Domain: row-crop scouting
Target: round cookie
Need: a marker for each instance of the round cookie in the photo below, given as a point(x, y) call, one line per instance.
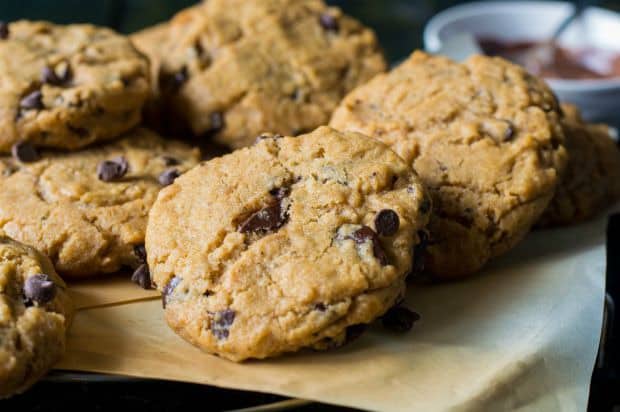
point(592, 179)
point(87, 210)
point(291, 243)
point(68, 86)
point(35, 312)
point(232, 69)
point(484, 137)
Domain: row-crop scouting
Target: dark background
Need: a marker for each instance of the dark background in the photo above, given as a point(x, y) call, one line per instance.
point(399, 23)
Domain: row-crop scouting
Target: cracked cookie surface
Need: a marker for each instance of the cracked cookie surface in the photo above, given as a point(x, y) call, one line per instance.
point(87, 210)
point(484, 137)
point(592, 178)
point(287, 244)
point(68, 86)
point(35, 312)
point(232, 69)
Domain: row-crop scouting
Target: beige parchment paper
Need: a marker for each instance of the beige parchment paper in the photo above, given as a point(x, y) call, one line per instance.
point(521, 336)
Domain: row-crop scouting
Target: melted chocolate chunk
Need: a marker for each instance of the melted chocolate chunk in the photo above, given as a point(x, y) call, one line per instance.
point(387, 222)
point(268, 219)
point(140, 252)
point(365, 234)
point(142, 277)
point(329, 22)
point(168, 177)
point(56, 77)
point(168, 289)
point(111, 170)
point(4, 30)
point(222, 322)
point(399, 319)
point(39, 289)
point(32, 101)
point(24, 152)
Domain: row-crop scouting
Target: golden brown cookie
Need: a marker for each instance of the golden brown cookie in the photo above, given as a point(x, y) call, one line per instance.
point(232, 69)
point(484, 137)
point(35, 312)
point(592, 179)
point(291, 243)
point(87, 210)
point(68, 86)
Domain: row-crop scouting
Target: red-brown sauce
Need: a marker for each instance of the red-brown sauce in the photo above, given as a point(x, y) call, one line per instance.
point(562, 63)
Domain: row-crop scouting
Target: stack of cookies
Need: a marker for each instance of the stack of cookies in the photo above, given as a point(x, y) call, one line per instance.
point(427, 171)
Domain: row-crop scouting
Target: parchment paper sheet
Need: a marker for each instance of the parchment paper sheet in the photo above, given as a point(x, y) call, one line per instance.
point(522, 335)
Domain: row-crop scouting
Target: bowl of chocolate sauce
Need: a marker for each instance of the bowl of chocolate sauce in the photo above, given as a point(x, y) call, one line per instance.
point(582, 67)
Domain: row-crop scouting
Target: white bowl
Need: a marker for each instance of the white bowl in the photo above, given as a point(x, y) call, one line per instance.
point(599, 99)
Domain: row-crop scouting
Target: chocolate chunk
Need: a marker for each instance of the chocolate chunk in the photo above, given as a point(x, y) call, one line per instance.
point(222, 322)
point(170, 161)
point(39, 289)
point(172, 82)
point(111, 170)
point(365, 234)
point(140, 252)
point(399, 319)
point(168, 289)
point(425, 206)
point(387, 222)
point(56, 76)
point(510, 131)
point(320, 307)
point(329, 22)
point(4, 30)
point(142, 277)
point(217, 121)
point(268, 219)
point(32, 101)
point(25, 152)
point(355, 331)
point(168, 177)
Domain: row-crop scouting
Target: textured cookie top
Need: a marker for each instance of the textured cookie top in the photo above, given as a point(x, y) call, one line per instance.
point(285, 244)
point(68, 86)
point(87, 210)
point(35, 310)
point(592, 179)
point(235, 68)
point(484, 137)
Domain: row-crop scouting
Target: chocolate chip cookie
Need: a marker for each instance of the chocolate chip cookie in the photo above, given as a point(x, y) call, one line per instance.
point(232, 69)
point(485, 138)
point(35, 311)
point(87, 210)
point(68, 86)
point(291, 243)
point(592, 179)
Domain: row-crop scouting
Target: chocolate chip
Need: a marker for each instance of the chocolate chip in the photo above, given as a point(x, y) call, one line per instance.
point(140, 252)
point(329, 22)
point(142, 277)
point(425, 206)
point(24, 152)
point(4, 30)
point(280, 192)
point(387, 222)
point(111, 170)
point(167, 177)
point(510, 131)
point(39, 289)
point(355, 331)
point(172, 82)
point(320, 307)
point(267, 219)
point(55, 77)
point(32, 101)
point(170, 161)
point(399, 319)
point(365, 234)
point(222, 322)
point(168, 289)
